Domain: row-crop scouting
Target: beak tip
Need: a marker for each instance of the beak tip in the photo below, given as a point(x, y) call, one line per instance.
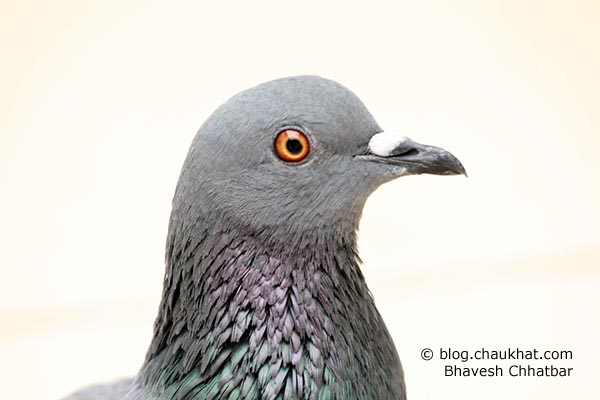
point(453, 164)
point(456, 166)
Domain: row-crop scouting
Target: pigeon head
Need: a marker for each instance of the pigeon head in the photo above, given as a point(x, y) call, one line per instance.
point(263, 295)
point(295, 156)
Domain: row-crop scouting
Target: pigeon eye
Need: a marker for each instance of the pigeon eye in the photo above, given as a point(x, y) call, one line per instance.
point(291, 145)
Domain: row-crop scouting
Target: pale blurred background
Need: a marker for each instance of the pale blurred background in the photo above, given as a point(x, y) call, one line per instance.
point(100, 100)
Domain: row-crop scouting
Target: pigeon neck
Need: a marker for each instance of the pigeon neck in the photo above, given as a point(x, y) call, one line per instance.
point(232, 301)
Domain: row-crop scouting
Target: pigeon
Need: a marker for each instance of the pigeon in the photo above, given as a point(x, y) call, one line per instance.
point(263, 293)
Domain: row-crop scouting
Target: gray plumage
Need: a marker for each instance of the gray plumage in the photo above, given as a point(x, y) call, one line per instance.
point(263, 295)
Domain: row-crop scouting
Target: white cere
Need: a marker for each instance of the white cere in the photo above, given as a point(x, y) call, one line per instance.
point(383, 143)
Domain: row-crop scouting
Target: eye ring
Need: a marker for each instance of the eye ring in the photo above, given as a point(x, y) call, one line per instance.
point(291, 145)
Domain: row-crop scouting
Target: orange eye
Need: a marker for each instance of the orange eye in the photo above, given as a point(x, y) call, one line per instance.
point(291, 145)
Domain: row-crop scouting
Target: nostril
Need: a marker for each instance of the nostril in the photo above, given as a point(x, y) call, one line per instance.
point(408, 152)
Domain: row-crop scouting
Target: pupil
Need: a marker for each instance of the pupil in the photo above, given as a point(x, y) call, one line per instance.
point(293, 146)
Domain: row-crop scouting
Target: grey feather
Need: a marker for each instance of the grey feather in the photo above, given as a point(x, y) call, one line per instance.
point(108, 391)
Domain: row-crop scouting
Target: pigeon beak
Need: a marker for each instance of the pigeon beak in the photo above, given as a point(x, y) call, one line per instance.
point(414, 158)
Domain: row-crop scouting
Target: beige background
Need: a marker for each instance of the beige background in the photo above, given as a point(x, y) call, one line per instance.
point(100, 100)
